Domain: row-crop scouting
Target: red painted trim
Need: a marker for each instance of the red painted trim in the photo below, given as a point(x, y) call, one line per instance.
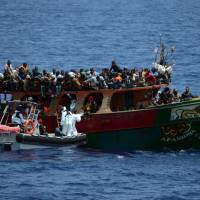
point(117, 121)
point(115, 90)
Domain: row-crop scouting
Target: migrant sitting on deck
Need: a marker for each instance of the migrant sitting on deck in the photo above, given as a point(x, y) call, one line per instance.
point(22, 79)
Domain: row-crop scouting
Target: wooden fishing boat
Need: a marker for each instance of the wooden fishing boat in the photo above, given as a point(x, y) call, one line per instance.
point(126, 119)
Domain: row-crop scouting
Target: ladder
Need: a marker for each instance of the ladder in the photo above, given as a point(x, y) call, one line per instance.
point(4, 113)
point(33, 114)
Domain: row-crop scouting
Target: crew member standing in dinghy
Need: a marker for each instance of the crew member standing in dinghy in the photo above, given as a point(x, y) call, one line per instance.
point(68, 121)
point(68, 127)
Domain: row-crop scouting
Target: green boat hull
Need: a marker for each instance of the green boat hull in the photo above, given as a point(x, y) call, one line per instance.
point(129, 139)
point(146, 139)
point(177, 126)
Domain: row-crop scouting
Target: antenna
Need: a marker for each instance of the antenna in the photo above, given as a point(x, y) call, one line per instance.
point(160, 39)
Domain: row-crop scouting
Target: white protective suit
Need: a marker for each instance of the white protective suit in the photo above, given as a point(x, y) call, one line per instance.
point(69, 123)
point(64, 113)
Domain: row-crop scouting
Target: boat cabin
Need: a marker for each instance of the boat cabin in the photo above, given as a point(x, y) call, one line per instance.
point(101, 101)
point(108, 101)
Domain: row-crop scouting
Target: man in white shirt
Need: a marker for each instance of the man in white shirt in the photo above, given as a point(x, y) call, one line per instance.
point(17, 118)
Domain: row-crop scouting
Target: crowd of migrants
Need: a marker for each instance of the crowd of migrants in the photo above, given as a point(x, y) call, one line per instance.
point(167, 96)
point(22, 78)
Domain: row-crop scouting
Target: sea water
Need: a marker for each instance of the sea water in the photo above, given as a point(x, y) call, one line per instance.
point(68, 34)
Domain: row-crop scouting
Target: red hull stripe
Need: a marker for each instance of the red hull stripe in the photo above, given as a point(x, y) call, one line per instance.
point(117, 121)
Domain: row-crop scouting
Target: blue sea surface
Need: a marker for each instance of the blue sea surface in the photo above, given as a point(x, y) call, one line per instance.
point(69, 34)
point(71, 173)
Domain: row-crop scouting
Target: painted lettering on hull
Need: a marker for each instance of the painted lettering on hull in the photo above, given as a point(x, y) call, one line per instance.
point(176, 132)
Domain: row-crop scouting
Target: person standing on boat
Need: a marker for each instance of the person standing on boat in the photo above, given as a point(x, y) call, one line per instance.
point(76, 118)
point(23, 71)
point(149, 78)
point(115, 68)
point(17, 118)
point(8, 69)
point(64, 113)
point(62, 130)
point(68, 125)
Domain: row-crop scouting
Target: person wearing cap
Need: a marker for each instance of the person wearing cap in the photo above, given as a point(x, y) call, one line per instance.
point(17, 118)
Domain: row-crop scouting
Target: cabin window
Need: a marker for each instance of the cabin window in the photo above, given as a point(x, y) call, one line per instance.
point(122, 101)
point(92, 102)
point(129, 100)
